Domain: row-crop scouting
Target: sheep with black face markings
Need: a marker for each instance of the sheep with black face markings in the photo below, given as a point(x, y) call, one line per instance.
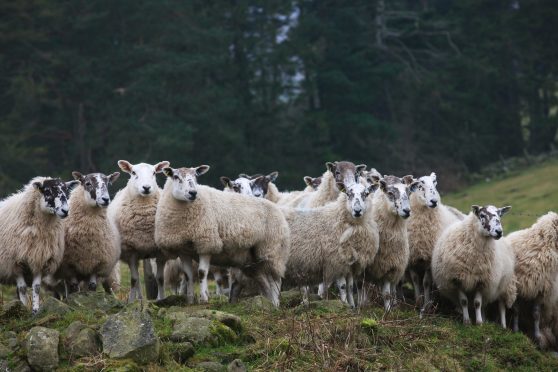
point(92, 242)
point(32, 234)
point(133, 213)
point(199, 222)
point(469, 259)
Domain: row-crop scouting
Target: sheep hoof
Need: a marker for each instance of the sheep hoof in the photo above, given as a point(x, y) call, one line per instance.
point(92, 286)
point(467, 321)
point(34, 312)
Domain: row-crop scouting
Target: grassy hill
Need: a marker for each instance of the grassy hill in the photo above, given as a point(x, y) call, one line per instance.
point(531, 192)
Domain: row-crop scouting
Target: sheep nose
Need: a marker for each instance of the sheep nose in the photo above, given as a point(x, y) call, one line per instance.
point(193, 193)
point(407, 212)
point(498, 233)
point(433, 203)
point(64, 212)
point(146, 188)
point(106, 200)
point(358, 212)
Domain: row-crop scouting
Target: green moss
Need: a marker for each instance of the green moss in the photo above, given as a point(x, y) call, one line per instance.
point(221, 333)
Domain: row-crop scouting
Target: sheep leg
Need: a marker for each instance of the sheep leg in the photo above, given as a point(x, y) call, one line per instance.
point(478, 307)
point(160, 277)
point(235, 290)
point(189, 277)
point(515, 317)
point(386, 294)
point(202, 272)
point(36, 293)
point(427, 288)
point(135, 290)
point(537, 319)
point(322, 290)
point(341, 284)
point(264, 286)
point(464, 302)
point(350, 284)
point(92, 286)
point(21, 289)
point(502, 308)
point(74, 285)
point(393, 291)
point(274, 288)
point(305, 291)
point(183, 287)
point(416, 285)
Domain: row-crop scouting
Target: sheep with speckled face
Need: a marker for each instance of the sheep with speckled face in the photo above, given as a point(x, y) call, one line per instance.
point(32, 234)
point(199, 222)
point(133, 213)
point(470, 259)
point(92, 242)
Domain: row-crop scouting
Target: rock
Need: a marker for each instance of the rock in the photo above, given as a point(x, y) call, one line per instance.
point(330, 306)
point(130, 334)
point(200, 331)
point(236, 366)
point(42, 348)
point(94, 301)
point(230, 320)
point(73, 330)
point(4, 366)
point(173, 300)
point(210, 367)
point(181, 351)
point(53, 306)
point(86, 343)
point(257, 303)
point(4, 351)
point(293, 298)
point(19, 365)
point(11, 339)
point(14, 309)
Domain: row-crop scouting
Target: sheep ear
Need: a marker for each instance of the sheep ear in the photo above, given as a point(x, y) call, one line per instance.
point(330, 167)
point(373, 187)
point(433, 176)
point(113, 177)
point(272, 176)
point(383, 185)
point(202, 169)
point(504, 210)
point(341, 187)
point(360, 169)
point(78, 176)
point(408, 179)
point(373, 178)
point(226, 181)
point(72, 185)
point(414, 186)
point(308, 180)
point(168, 171)
point(38, 185)
point(161, 165)
point(125, 166)
point(476, 209)
point(244, 175)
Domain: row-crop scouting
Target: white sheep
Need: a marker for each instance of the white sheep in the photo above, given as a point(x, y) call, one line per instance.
point(429, 218)
point(391, 209)
point(92, 243)
point(264, 187)
point(469, 259)
point(536, 264)
point(32, 234)
point(333, 242)
point(241, 185)
point(200, 222)
point(339, 171)
point(133, 213)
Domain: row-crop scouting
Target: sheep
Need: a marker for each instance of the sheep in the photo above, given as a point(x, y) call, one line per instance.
point(264, 187)
point(428, 220)
point(391, 209)
point(200, 222)
point(133, 213)
point(339, 171)
point(92, 243)
point(333, 242)
point(241, 185)
point(312, 182)
point(536, 265)
point(32, 234)
point(469, 258)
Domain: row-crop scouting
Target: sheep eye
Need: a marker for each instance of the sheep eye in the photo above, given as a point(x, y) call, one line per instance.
point(175, 177)
point(133, 173)
point(88, 184)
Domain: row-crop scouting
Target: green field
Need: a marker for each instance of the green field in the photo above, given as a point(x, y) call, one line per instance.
point(531, 192)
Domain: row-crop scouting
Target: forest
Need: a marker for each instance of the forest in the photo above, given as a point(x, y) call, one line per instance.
point(405, 86)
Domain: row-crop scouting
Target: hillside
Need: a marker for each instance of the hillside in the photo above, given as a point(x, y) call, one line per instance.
point(531, 192)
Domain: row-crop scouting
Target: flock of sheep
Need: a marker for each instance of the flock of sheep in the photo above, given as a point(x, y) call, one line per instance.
point(348, 227)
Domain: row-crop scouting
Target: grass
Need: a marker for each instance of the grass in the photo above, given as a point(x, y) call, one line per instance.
point(531, 192)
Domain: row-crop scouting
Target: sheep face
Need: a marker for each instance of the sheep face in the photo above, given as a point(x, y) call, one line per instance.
point(260, 184)
point(397, 190)
point(345, 171)
point(313, 182)
point(95, 187)
point(185, 181)
point(55, 194)
point(427, 192)
point(489, 218)
point(143, 179)
point(241, 185)
point(356, 197)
